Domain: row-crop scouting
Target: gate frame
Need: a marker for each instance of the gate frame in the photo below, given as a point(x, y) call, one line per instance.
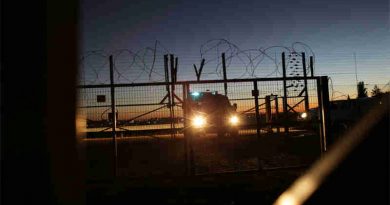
point(322, 96)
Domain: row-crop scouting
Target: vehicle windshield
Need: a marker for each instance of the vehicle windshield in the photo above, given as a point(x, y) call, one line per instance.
point(213, 104)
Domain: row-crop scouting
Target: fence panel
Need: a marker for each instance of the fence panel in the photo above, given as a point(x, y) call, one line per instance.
point(151, 142)
point(275, 148)
point(150, 129)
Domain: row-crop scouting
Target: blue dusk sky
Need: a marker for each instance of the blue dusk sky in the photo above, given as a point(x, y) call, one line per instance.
point(330, 30)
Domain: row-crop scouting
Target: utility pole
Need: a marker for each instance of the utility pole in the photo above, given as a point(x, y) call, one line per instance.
point(356, 78)
point(354, 56)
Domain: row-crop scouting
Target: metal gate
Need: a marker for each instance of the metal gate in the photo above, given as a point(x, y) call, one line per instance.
point(282, 125)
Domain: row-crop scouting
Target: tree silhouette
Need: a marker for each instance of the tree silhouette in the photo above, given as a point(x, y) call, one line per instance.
point(362, 91)
point(376, 92)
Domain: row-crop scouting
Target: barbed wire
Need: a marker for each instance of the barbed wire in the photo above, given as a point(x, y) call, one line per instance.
point(129, 66)
point(147, 64)
point(250, 60)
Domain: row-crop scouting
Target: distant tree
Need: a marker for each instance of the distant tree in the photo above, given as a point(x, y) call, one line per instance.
point(362, 91)
point(376, 92)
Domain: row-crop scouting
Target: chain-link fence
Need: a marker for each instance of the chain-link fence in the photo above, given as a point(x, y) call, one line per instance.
point(280, 125)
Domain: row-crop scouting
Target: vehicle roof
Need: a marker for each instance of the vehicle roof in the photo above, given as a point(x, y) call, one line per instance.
point(211, 96)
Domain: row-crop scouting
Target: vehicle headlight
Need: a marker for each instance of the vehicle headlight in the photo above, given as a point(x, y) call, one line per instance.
point(234, 120)
point(304, 115)
point(199, 121)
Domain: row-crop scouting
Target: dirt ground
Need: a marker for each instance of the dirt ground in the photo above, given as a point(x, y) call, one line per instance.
point(152, 156)
point(226, 171)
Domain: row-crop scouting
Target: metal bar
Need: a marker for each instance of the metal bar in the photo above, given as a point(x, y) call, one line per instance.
point(268, 112)
point(171, 107)
point(256, 94)
point(166, 68)
point(172, 68)
point(196, 82)
point(268, 108)
point(311, 66)
point(165, 97)
point(305, 82)
point(186, 134)
point(292, 108)
point(166, 72)
point(147, 113)
point(325, 112)
point(105, 129)
point(320, 116)
point(236, 99)
point(121, 127)
point(174, 78)
point(113, 110)
point(125, 105)
point(241, 80)
point(301, 93)
point(224, 73)
point(196, 73)
point(253, 107)
point(185, 130)
point(285, 112)
point(277, 113)
point(200, 69)
point(175, 96)
point(176, 62)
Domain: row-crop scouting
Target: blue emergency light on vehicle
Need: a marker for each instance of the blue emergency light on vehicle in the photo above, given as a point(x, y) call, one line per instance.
point(195, 94)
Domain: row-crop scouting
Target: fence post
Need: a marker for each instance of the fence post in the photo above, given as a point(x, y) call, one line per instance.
point(277, 113)
point(305, 82)
point(320, 109)
point(166, 69)
point(172, 94)
point(188, 150)
point(224, 73)
point(328, 140)
point(185, 130)
point(311, 66)
point(285, 112)
point(113, 111)
point(323, 113)
point(255, 93)
point(268, 112)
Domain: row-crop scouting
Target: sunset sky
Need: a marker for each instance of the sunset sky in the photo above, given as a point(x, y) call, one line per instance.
point(334, 31)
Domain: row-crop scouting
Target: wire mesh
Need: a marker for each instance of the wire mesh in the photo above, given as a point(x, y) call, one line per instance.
point(213, 154)
point(150, 124)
